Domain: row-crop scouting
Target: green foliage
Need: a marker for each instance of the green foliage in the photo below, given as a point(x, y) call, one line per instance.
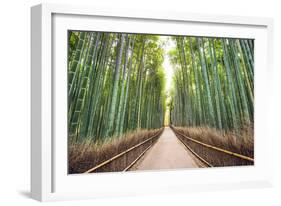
point(214, 76)
point(115, 84)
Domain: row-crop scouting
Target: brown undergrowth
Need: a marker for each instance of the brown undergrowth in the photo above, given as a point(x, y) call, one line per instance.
point(241, 142)
point(87, 154)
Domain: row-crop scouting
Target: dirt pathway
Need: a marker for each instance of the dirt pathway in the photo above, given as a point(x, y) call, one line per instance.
point(167, 153)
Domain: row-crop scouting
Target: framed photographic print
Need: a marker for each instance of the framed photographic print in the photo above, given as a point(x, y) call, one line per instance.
point(135, 102)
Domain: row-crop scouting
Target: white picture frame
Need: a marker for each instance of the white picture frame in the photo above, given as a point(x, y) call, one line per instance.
point(49, 179)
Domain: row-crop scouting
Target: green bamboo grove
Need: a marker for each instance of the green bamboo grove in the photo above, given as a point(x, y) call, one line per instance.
point(213, 82)
point(115, 84)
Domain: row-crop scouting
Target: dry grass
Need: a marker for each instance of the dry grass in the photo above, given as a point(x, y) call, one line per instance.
point(87, 154)
point(242, 143)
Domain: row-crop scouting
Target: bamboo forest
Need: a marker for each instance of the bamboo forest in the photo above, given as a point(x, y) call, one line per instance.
point(140, 100)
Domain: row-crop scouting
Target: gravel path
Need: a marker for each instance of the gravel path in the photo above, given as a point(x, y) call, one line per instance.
point(167, 153)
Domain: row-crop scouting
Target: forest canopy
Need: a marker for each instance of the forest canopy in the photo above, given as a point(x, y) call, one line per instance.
point(116, 83)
